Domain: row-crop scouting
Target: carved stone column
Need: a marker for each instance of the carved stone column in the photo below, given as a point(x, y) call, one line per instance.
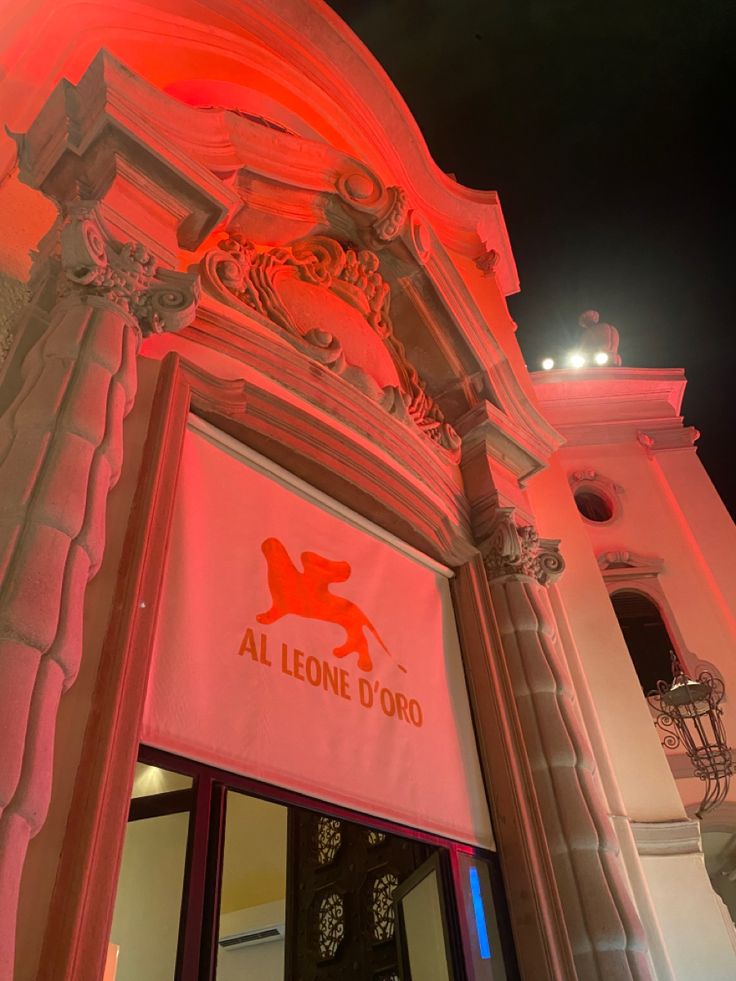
point(603, 926)
point(60, 453)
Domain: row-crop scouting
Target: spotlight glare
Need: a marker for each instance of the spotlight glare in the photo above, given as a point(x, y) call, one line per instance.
point(548, 363)
point(601, 358)
point(576, 360)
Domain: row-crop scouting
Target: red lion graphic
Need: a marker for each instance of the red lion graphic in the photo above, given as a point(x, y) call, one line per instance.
point(307, 594)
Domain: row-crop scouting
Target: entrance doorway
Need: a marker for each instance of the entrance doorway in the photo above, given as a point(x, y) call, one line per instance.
point(225, 878)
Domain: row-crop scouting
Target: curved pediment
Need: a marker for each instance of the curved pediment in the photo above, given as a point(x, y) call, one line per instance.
point(297, 56)
point(215, 169)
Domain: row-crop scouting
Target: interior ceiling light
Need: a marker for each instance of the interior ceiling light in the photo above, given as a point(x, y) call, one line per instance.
point(548, 364)
point(576, 360)
point(601, 358)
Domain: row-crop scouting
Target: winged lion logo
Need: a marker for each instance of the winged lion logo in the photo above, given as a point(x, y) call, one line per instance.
point(307, 594)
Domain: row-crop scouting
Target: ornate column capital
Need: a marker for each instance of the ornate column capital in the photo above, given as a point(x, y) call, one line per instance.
point(517, 550)
point(124, 275)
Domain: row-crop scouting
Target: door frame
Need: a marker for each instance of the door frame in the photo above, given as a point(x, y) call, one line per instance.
point(199, 914)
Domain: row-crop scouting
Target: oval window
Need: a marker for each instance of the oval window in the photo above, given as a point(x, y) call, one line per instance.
point(593, 506)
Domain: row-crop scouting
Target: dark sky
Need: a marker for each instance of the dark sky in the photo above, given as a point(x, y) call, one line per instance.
point(604, 126)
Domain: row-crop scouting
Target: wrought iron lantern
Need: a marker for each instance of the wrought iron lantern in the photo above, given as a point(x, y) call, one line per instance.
point(689, 714)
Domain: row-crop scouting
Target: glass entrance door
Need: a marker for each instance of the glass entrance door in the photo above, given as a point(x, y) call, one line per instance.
point(220, 882)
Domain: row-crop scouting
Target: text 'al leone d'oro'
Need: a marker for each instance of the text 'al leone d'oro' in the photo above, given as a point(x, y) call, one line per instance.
point(321, 673)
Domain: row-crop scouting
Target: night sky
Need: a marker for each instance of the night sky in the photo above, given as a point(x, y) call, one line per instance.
point(604, 127)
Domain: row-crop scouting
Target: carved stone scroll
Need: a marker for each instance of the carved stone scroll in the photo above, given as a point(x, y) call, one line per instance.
point(60, 453)
point(602, 923)
point(518, 550)
point(389, 225)
point(240, 275)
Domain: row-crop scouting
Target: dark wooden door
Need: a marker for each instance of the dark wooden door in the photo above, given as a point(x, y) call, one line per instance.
point(340, 921)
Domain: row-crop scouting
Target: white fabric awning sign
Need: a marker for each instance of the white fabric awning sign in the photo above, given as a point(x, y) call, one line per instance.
point(298, 648)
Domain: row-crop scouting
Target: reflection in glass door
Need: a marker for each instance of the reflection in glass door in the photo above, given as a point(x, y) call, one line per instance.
point(252, 904)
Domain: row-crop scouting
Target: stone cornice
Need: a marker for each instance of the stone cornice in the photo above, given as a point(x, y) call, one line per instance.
point(667, 437)
point(512, 446)
point(519, 419)
point(615, 405)
point(97, 134)
point(625, 388)
point(667, 837)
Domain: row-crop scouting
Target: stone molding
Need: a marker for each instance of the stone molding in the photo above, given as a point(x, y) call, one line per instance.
point(621, 564)
point(97, 141)
point(517, 550)
point(670, 438)
point(488, 430)
point(80, 915)
point(667, 837)
point(608, 406)
point(532, 888)
point(592, 478)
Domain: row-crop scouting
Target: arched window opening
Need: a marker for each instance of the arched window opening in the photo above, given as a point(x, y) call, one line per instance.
point(646, 637)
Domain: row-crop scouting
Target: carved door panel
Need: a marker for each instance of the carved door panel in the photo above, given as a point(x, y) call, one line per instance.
point(340, 916)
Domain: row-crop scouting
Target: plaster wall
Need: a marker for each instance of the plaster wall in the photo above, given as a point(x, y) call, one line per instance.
point(652, 522)
point(146, 922)
point(669, 510)
point(261, 962)
point(646, 786)
point(649, 522)
point(694, 921)
point(698, 504)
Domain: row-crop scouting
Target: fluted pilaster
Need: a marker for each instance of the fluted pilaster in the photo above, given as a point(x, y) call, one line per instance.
point(603, 925)
point(60, 453)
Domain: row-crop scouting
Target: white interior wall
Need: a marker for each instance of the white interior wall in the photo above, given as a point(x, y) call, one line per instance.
point(146, 919)
point(261, 962)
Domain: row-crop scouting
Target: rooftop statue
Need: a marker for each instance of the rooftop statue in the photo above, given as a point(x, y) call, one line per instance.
point(598, 338)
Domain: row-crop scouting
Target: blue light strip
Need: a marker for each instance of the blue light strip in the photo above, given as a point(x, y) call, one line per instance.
point(480, 915)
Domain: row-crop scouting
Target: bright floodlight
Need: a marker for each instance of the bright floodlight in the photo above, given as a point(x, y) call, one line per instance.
point(548, 363)
point(601, 358)
point(576, 360)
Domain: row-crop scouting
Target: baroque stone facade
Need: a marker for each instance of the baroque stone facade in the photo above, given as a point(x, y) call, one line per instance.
point(284, 260)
